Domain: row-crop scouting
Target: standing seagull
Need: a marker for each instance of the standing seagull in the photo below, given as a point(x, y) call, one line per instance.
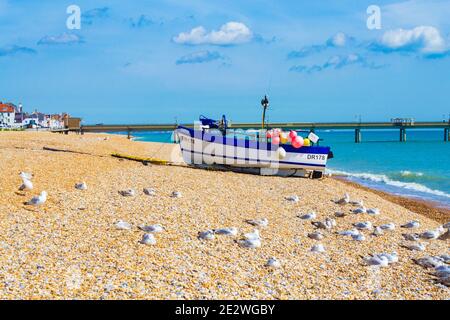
point(259, 222)
point(38, 200)
point(26, 185)
point(344, 200)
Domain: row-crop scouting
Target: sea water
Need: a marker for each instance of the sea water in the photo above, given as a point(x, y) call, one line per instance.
point(418, 168)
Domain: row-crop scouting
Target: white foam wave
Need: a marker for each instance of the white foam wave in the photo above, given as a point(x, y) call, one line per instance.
point(406, 173)
point(381, 178)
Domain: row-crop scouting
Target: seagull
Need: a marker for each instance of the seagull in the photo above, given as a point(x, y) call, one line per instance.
point(206, 235)
point(308, 216)
point(411, 236)
point(81, 186)
point(226, 231)
point(149, 191)
point(128, 193)
point(363, 225)
point(38, 200)
point(344, 200)
point(26, 175)
point(339, 214)
point(360, 210)
point(349, 232)
point(176, 194)
point(373, 211)
point(447, 225)
point(293, 198)
point(359, 203)
point(382, 259)
point(358, 237)
point(443, 273)
point(416, 246)
point(259, 222)
point(376, 260)
point(148, 239)
point(122, 225)
point(273, 263)
point(411, 224)
point(153, 228)
point(431, 234)
point(315, 235)
point(377, 231)
point(327, 224)
point(388, 226)
point(250, 243)
point(253, 236)
point(318, 248)
point(26, 185)
point(445, 236)
point(430, 261)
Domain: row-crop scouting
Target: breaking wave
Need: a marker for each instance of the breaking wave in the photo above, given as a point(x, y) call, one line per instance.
point(384, 179)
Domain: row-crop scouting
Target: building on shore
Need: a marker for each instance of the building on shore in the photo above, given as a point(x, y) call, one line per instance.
point(7, 115)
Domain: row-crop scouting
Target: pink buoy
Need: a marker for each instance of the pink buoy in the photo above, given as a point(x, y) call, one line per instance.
point(297, 142)
point(292, 135)
point(276, 140)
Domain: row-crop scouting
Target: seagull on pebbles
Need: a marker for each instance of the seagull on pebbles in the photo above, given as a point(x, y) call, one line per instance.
point(206, 235)
point(377, 232)
point(373, 211)
point(430, 261)
point(360, 210)
point(259, 222)
point(339, 214)
point(127, 193)
point(388, 226)
point(26, 181)
point(148, 239)
point(293, 199)
point(38, 200)
point(327, 224)
point(176, 194)
point(411, 236)
point(226, 231)
point(122, 225)
point(250, 243)
point(351, 233)
point(81, 186)
point(359, 203)
point(381, 259)
point(273, 263)
point(152, 228)
point(253, 235)
point(358, 237)
point(344, 200)
point(363, 225)
point(411, 224)
point(315, 235)
point(416, 246)
point(308, 216)
point(318, 248)
point(149, 191)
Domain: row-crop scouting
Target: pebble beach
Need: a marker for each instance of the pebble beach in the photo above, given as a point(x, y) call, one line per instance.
point(71, 248)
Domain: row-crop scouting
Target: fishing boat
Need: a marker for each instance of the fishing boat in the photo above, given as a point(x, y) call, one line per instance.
point(265, 151)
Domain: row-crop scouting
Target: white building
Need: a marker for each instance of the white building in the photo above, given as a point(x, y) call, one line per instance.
point(7, 115)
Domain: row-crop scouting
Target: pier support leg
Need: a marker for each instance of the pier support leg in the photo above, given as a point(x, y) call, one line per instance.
point(357, 135)
point(446, 134)
point(402, 135)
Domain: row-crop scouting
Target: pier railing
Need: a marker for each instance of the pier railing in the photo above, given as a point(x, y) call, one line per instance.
point(312, 126)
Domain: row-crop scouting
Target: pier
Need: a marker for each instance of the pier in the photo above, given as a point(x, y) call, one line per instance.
point(403, 127)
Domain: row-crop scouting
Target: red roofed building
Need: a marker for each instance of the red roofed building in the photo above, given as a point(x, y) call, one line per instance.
point(7, 115)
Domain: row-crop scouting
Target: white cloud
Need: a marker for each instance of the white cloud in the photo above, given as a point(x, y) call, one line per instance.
point(229, 34)
point(338, 40)
point(424, 39)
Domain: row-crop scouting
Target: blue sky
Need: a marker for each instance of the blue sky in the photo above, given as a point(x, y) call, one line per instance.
point(154, 61)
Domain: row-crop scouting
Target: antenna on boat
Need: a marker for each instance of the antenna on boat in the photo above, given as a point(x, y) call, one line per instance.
point(265, 105)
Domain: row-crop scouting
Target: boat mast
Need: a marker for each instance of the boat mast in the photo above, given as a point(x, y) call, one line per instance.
point(265, 105)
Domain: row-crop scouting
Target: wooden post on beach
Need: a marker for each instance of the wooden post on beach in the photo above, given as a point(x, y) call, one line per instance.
point(402, 134)
point(446, 134)
point(357, 135)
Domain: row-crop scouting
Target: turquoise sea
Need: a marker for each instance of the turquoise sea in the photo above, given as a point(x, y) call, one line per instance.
point(418, 168)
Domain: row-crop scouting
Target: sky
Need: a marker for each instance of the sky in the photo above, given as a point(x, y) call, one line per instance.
point(173, 60)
